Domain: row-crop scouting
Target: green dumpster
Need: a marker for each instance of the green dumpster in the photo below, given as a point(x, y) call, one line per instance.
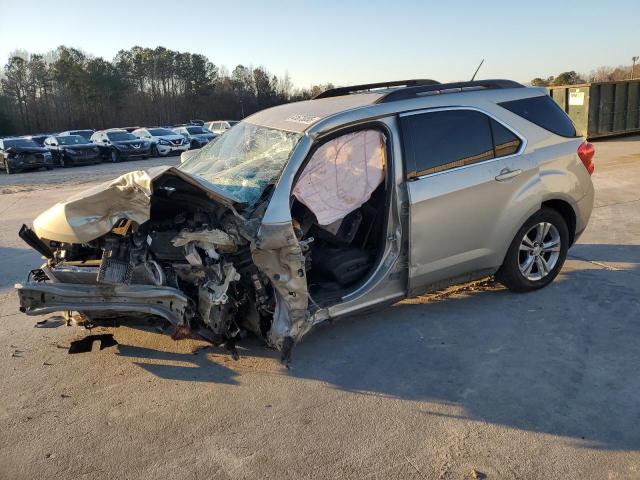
point(601, 109)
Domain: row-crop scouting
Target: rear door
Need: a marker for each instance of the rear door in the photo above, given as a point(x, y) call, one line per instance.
point(466, 175)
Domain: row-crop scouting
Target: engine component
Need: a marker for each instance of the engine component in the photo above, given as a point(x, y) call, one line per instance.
point(213, 301)
point(116, 266)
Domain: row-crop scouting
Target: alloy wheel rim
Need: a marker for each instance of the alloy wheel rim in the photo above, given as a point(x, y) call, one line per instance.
point(539, 251)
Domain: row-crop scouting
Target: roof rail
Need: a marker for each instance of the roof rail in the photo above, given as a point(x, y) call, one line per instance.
point(339, 91)
point(454, 87)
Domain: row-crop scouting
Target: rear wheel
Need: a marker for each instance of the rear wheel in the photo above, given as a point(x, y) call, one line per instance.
point(537, 252)
point(115, 156)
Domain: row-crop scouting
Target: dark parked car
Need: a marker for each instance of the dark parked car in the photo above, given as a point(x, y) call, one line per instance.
point(39, 138)
point(197, 136)
point(72, 150)
point(83, 133)
point(116, 145)
point(18, 154)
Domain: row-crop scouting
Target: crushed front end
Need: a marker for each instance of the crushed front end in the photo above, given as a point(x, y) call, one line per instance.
point(161, 243)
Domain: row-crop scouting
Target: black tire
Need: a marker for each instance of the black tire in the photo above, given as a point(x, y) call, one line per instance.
point(49, 168)
point(114, 156)
point(510, 274)
point(193, 145)
point(8, 169)
point(64, 163)
point(154, 151)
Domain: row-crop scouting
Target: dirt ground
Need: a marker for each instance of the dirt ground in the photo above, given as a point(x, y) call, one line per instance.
point(538, 386)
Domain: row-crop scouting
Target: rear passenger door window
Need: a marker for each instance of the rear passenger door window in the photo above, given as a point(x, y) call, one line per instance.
point(443, 140)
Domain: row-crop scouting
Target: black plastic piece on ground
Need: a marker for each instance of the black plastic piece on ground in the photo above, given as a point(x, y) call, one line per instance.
point(287, 348)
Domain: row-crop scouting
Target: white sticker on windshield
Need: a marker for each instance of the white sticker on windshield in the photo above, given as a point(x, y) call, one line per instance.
point(304, 119)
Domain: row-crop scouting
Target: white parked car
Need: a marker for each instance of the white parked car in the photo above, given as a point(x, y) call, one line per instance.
point(163, 141)
point(219, 126)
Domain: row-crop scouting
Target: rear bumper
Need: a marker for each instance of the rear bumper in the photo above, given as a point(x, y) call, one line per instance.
point(583, 209)
point(43, 298)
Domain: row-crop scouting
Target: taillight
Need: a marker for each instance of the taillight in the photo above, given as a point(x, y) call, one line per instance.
point(586, 152)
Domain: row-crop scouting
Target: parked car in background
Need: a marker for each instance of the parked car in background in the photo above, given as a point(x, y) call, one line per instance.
point(197, 136)
point(83, 133)
point(19, 154)
point(163, 141)
point(39, 138)
point(72, 150)
point(117, 144)
point(219, 126)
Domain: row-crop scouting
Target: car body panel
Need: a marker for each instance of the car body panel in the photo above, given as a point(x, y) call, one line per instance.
point(94, 212)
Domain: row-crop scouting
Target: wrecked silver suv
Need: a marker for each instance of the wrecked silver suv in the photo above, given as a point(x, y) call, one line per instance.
point(317, 209)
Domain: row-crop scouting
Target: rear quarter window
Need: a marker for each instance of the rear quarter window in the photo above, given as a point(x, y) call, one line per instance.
point(544, 112)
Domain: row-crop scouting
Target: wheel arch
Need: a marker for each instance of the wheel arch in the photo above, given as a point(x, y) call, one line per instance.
point(565, 209)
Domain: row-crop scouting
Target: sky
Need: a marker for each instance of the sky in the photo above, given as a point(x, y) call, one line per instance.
point(343, 42)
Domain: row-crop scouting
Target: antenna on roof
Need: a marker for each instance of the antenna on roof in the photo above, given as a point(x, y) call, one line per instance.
point(476, 72)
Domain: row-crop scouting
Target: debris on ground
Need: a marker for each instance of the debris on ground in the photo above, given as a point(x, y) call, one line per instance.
point(16, 353)
point(197, 350)
point(53, 322)
point(477, 475)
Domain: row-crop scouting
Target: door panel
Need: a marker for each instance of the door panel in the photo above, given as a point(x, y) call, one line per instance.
point(462, 218)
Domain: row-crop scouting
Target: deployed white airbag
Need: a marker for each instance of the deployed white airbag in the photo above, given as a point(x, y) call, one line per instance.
point(342, 175)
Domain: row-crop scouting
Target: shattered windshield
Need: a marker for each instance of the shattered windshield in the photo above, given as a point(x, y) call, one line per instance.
point(243, 161)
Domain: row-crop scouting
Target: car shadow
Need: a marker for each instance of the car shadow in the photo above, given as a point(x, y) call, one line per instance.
point(563, 360)
point(196, 367)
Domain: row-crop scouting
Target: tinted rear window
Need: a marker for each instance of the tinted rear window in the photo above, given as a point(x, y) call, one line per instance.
point(438, 141)
point(544, 112)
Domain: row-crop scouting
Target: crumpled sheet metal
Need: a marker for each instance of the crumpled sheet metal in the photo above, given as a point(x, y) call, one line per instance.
point(205, 239)
point(278, 254)
point(342, 174)
point(94, 212)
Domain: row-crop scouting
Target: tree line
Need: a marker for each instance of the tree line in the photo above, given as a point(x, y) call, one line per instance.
point(600, 74)
point(68, 89)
